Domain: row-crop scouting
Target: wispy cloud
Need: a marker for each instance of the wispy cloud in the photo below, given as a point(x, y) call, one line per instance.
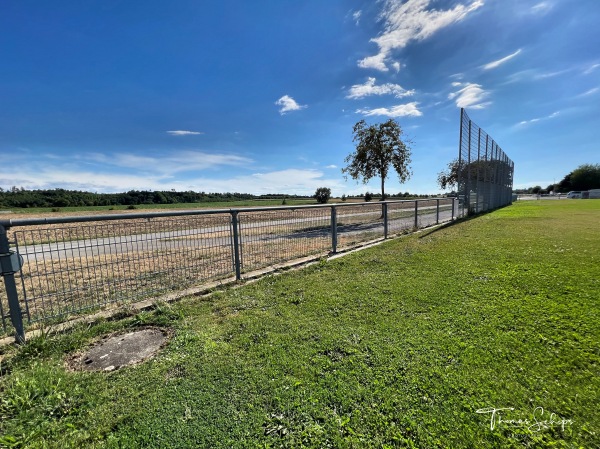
point(288, 104)
point(592, 91)
point(356, 16)
point(99, 174)
point(494, 64)
point(184, 133)
point(539, 119)
point(590, 69)
point(168, 164)
point(541, 8)
point(401, 110)
point(331, 166)
point(411, 20)
point(370, 88)
point(470, 95)
point(534, 75)
point(542, 76)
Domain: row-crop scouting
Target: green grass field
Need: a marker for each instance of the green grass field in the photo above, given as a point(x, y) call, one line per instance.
point(400, 345)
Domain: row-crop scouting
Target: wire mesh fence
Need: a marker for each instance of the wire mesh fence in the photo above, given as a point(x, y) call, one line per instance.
point(485, 173)
point(73, 265)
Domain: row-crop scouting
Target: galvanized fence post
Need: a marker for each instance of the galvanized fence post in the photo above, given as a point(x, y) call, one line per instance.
point(416, 214)
point(236, 245)
point(10, 263)
point(384, 212)
point(333, 229)
point(437, 212)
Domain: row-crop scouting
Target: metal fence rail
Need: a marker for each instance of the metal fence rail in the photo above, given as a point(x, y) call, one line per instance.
point(56, 267)
point(485, 173)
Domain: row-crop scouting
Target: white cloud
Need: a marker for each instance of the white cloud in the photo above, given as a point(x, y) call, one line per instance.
point(288, 104)
point(49, 174)
point(356, 16)
point(169, 164)
point(542, 76)
point(331, 166)
point(184, 133)
point(590, 69)
point(471, 95)
point(411, 20)
point(590, 92)
point(401, 110)
point(369, 88)
point(541, 8)
point(494, 64)
point(538, 119)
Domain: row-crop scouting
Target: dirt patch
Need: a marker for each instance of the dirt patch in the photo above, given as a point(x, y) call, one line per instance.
point(115, 351)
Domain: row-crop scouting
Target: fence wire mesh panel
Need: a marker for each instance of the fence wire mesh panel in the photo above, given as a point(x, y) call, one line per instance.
point(359, 223)
point(485, 173)
point(401, 217)
point(73, 265)
point(271, 237)
point(70, 269)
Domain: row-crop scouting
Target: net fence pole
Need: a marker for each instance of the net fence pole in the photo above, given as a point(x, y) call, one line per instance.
point(7, 270)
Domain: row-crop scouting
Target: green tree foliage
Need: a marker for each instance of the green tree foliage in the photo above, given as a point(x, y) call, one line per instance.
point(322, 195)
point(368, 196)
point(481, 170)
point(377, 148)
point(54, 198)
point(584, 177)
point(449, 178)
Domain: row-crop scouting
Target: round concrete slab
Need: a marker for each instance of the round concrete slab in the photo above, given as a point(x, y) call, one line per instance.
point(120, 350)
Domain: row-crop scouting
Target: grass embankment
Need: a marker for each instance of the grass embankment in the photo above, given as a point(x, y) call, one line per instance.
point(396, 346)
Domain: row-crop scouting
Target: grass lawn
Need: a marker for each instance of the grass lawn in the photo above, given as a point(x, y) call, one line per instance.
point(400, 345)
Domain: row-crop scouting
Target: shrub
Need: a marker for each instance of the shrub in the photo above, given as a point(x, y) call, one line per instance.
point(322, 195)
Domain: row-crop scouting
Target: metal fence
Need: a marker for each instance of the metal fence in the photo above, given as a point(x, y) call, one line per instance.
point(55, 268)
point(485, 173)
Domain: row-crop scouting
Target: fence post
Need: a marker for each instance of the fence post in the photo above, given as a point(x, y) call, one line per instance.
point(333, 229)
point(236, 245)
point(7, 270)
point(384, 212)
point(454, 201)
point(437, 211)
point(416, 214)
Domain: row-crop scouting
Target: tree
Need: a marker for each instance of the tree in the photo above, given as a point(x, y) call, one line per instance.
point(322, 195)
point(479, 170)
point(449, 177)
point(368, 196)
point(377, 148)
point(586, 177)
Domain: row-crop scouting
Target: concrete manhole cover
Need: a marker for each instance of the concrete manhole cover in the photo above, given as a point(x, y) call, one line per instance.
point(120, 350)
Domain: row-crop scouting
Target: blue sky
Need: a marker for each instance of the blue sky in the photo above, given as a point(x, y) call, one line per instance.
point(261, 96)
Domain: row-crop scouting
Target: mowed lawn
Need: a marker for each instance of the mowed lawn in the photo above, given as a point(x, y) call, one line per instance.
point(412, 343)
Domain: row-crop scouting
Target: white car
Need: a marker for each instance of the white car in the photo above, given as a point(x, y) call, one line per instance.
point(574, 194)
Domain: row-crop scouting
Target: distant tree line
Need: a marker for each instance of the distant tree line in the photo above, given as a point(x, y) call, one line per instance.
point(19, 197)
point(584, 177)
